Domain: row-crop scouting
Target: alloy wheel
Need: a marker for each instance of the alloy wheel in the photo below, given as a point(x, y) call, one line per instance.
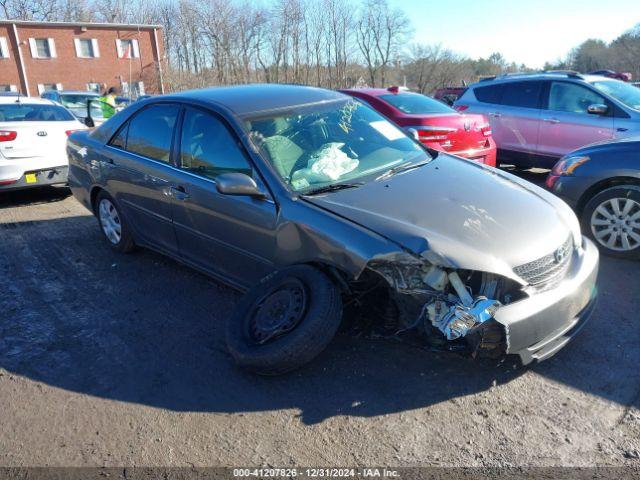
point(110, 221)
point(615, 224)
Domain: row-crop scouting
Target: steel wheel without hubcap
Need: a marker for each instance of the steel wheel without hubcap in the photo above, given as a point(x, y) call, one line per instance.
point(278, 312)
point(615, 224)
point(110, 221)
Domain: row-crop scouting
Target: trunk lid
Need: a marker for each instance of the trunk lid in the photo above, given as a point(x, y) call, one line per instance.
point(455, 132)
point(36, 139)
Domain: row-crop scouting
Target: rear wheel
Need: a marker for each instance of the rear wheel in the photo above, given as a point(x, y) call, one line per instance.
point(285, 321)
point(113, 224)
point(612, 220)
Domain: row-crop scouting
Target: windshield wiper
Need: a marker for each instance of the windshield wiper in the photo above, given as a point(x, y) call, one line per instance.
point(334, 187)
point(403, 167)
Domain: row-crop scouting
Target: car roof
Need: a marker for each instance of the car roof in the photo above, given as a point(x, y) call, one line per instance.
point(376, 92)
point(255, 98)
point(78, 92)
point(508, 78)
point(26, 100)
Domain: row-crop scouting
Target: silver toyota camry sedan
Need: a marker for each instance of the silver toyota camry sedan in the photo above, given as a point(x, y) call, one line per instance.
point(320, 209)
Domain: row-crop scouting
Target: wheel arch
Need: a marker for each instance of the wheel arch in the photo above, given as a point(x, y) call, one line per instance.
point(601, 186)
point(93, 195)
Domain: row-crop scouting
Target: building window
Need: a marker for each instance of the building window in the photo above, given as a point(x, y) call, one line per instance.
point(127, 48)
point(49, 87)
point(42, 47)
point(93, 87)
point(4, 48)
point(137, 89)
point(8, 88)
point(86, 47)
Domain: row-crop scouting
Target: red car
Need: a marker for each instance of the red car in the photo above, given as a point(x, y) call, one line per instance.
point(435, 124)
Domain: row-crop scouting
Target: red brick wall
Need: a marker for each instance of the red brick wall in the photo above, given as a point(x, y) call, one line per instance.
point(74, 73)
point(8, 66)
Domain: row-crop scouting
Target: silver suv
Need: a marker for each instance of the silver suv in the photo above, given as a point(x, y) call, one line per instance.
point(538, 118)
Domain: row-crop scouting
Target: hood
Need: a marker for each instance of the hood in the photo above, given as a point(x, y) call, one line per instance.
point(611, 141)
point(460, 214)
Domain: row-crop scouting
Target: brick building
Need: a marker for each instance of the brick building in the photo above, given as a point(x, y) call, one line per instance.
point(40, 56)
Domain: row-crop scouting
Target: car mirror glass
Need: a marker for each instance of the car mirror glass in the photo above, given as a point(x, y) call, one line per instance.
point(238, 184)
point(598, 109)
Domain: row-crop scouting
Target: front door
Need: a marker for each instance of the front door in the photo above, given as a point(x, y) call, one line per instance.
point(231, 236)
point(566, 123)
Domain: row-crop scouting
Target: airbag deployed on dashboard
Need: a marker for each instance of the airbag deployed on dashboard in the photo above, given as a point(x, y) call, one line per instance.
point(328, 163)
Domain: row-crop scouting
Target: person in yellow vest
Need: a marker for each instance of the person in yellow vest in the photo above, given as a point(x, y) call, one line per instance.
point(108, 102)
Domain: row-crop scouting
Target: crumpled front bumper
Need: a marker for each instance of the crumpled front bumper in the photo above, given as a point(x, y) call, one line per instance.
point(539, 326)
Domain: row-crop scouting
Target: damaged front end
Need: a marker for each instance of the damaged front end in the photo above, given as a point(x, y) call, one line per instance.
point(453, 309)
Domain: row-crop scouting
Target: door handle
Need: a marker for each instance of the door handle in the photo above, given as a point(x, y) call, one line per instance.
point(495, 114)
point(178, 192)
point(551, 120)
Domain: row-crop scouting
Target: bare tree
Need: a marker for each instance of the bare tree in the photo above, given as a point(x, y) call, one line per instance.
point(380, 31)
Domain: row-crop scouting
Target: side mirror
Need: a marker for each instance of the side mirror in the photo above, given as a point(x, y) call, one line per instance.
point(238, 184)
point(597, 109)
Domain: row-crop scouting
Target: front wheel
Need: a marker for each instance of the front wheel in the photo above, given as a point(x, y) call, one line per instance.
point(612, 220)
point(285, 321)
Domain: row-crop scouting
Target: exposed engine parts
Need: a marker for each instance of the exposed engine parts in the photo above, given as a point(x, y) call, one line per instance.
point(454, 321)
point(433, 299)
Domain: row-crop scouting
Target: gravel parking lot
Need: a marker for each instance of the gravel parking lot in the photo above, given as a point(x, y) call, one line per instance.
point(114, 360)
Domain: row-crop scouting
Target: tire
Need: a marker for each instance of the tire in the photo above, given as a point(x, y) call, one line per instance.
point(113, 224)
point(600, 221)
point(304, 303)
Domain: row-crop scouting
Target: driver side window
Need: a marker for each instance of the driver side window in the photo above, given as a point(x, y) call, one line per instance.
point(207, 147)
point(569, 97)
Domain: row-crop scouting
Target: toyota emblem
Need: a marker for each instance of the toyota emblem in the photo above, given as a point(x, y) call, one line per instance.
point(560, 254)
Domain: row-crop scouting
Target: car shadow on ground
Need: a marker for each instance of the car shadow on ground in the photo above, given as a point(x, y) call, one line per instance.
point(35, 196)
point(142, 328)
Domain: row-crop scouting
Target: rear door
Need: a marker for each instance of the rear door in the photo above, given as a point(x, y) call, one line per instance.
point(566, 123)
point(517, 116)
point(138, 171)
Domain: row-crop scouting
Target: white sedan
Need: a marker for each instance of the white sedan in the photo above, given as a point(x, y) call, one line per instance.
point(33, 138)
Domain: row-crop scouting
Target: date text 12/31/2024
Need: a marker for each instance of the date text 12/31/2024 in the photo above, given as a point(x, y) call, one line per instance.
point(314, 473)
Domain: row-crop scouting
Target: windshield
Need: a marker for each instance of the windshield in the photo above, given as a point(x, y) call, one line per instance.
point(328, 144)
point(21, 112)
point(621, 91)
point(413, 103)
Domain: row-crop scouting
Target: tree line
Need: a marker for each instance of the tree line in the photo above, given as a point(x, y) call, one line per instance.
point(326, 43)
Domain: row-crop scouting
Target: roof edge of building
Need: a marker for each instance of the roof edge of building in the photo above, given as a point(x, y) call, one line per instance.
point(34, 23)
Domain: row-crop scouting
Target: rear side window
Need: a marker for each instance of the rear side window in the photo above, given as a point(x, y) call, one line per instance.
point(151, 131)
point(413, 103)
point(20, 112)
point(488, 94)
point(521, 94)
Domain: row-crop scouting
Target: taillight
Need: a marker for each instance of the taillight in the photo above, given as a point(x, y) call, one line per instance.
point(69, 132)
point(461, 108)
point(7, 135)
point(431, 134)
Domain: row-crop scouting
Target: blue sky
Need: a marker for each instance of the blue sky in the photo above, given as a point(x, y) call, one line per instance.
point(524, 31)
